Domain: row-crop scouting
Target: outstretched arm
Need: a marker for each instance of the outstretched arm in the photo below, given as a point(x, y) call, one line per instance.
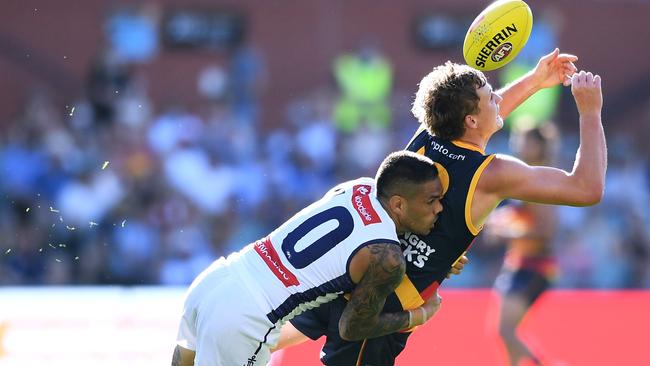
point(508, 177)
point(553, 69)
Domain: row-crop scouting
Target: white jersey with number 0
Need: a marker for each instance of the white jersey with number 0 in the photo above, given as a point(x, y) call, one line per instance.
point(233, 308)
point(305, 261)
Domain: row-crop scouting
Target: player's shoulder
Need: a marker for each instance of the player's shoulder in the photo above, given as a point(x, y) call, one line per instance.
point(364, 185)
point(420, 138)
point(363, 181)
point(503, 164)
point(500, 170)
point(358, 195)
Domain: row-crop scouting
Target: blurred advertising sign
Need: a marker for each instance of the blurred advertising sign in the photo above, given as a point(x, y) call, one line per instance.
point(137, 326)
point(565, 328)
point(211, 29)
point(440, 30)
point(88, 325)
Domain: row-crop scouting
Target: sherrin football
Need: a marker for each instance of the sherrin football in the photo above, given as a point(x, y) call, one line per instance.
point(497, 34)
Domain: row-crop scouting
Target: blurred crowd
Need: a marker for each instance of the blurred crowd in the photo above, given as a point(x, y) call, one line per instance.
point(113, 189)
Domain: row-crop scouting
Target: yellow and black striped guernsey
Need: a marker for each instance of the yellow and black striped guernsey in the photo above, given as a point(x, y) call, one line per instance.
point(428, 259)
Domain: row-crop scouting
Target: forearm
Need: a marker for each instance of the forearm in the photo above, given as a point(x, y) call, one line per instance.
point(552, 69)
point(516, 93)
point(385, 323)
point(591, 159)
point(362, 316)
point(354, 326)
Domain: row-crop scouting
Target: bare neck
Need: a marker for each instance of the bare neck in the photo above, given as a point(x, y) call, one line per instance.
point(475, 139)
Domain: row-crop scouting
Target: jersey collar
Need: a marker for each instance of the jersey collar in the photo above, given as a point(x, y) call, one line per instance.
point(467, 146)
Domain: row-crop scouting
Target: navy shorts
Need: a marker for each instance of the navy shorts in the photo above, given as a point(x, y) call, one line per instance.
point(527, 283)
point(324, 320)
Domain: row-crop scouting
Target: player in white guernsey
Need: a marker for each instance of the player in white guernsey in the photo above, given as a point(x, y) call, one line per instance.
point(344, 242)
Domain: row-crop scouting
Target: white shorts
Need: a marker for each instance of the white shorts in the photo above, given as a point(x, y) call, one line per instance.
point(222, 323)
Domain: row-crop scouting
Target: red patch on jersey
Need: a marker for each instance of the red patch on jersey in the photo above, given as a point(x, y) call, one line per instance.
point(362, 204)
point(270, 257)
point(429, 291)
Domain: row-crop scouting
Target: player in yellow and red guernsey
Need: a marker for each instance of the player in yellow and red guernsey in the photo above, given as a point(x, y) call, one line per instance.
point(345, 242)
point(528, 228)
point(459, 112)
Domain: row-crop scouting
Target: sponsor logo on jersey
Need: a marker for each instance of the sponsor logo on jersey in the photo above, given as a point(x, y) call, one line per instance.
point(362, 204)
point(251, 361)
point(445, 151)
point(415, 250)
point(270, 257)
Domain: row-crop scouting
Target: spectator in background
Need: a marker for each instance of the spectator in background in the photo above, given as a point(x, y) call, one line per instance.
point(247, 78)
point(636, 241)
point(362, 113)
point(365, 80)
point(109, 75)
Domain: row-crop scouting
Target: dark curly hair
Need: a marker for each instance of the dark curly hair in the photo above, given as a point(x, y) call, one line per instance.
point(446, 95)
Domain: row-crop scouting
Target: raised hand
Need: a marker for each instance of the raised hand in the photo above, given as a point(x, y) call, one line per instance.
point(554, 69)
point(587, 92)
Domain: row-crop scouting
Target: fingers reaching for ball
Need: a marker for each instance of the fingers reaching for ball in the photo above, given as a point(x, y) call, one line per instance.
point(585, 79)
point(586, 90)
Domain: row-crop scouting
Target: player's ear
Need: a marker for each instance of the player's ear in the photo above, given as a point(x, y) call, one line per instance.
point(470, 121)
point(397, 204)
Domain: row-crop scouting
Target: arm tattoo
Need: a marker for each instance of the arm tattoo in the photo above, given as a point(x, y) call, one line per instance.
point(176, 358)
point(361, 317)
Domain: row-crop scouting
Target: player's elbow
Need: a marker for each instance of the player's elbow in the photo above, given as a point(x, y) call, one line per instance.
point(585, 191)
point(357, 329)
point(595, 196)
point(347, 333)
point(594, 192)
point(590, 196)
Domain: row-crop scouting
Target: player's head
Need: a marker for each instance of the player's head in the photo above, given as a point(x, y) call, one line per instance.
point(454, 97)
point(535, 145)
point(409, 188)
